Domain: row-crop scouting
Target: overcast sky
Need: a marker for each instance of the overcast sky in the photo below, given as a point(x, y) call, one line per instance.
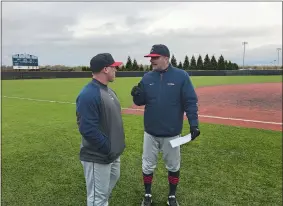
point(70, 33)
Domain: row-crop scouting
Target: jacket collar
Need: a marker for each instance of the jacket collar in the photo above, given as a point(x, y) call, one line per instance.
point(95, 81)
point(165, 70)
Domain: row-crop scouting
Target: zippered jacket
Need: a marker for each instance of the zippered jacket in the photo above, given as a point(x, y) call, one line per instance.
point(100, 124)
point(167, 96)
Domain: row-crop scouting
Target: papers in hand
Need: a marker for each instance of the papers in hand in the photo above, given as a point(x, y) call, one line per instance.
point(180, 140)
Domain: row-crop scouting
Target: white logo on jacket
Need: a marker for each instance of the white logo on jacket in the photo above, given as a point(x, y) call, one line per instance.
point(170, 84)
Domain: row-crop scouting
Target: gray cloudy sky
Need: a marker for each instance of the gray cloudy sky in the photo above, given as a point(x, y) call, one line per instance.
point(70, 33)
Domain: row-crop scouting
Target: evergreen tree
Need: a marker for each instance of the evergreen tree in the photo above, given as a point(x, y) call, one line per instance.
point(235, 66)
point(226, 64)
point(173, 61)
point(193, 65)
point(221, 63)
point(206, 63)
point(199, 63)
point(123, 68)
point(85, 68)
point(135, 66)
point(141, 68)
point(229, 66)
point(129, 64)
point(186, 64)
point(147, 67)
point(213, 62)
point(180, 66)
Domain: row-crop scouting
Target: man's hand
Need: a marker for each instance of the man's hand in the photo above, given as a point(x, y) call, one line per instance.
point(136, 91)
point(194, 132)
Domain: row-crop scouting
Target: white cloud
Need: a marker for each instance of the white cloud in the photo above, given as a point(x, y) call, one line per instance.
point(71, 33)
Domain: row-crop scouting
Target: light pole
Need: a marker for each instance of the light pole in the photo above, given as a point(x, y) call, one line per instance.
point(244, 43)
point(278, 50)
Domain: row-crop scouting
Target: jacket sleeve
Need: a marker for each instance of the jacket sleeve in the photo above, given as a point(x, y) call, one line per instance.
point(140, 100)
point(88, 116)
point(190, 101)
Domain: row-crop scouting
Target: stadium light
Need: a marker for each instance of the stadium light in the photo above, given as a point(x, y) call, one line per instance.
point(244, 43)
point(278, 50)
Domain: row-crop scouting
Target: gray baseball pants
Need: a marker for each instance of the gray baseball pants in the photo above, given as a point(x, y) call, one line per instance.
point(100, 180)
point(152, 146)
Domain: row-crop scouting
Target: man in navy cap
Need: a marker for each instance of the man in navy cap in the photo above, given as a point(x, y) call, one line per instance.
point(100, 124)
point(167, 92)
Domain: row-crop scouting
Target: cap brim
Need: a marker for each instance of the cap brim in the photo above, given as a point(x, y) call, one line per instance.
point(116, 64)
point(153, 55)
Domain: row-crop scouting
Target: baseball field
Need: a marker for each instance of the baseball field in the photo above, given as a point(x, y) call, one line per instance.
point(237, 159)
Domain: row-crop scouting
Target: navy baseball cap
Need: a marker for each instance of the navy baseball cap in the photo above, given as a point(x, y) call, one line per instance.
point(98, 62)
point(158, 50)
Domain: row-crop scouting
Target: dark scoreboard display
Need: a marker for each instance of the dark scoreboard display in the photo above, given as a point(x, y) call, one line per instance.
point(25, 60)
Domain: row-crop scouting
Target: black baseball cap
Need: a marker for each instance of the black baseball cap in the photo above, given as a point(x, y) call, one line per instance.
point(158, 50)
point(98, 62)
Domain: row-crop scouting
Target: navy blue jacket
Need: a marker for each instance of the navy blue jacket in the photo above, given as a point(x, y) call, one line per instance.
point(100, 123)
point(166, 96)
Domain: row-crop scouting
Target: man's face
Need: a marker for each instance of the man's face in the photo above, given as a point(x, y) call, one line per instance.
point(159, 63)
point(110, 73)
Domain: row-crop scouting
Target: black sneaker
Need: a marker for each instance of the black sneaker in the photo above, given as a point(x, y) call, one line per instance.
point(172, 201)
point(147, 201)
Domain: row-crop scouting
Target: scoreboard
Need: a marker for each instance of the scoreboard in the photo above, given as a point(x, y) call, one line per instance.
point(25, 61)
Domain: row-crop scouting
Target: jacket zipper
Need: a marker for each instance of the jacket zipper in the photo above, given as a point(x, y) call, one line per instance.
point(160, 87)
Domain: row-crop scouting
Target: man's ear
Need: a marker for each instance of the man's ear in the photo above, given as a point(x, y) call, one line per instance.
point(105, 70)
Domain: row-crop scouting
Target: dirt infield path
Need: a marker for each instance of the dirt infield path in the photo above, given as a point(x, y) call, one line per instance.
point(246, 105)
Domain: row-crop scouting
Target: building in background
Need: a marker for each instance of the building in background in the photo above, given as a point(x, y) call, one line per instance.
point(25, 61)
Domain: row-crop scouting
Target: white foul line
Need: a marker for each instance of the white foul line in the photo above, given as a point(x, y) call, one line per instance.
point(39, 100)
point(132, 109)
point(243, 120)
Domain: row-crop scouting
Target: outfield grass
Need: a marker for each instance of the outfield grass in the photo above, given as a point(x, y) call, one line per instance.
point(67, 89)
point(40, 146)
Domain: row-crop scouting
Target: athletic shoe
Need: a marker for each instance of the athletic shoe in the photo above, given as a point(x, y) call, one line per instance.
point(147, 201)
point(172, 201)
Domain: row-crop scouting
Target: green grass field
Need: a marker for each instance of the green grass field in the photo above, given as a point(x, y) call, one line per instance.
point(40, 144)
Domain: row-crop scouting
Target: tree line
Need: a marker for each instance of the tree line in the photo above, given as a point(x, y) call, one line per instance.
point(192, 64)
